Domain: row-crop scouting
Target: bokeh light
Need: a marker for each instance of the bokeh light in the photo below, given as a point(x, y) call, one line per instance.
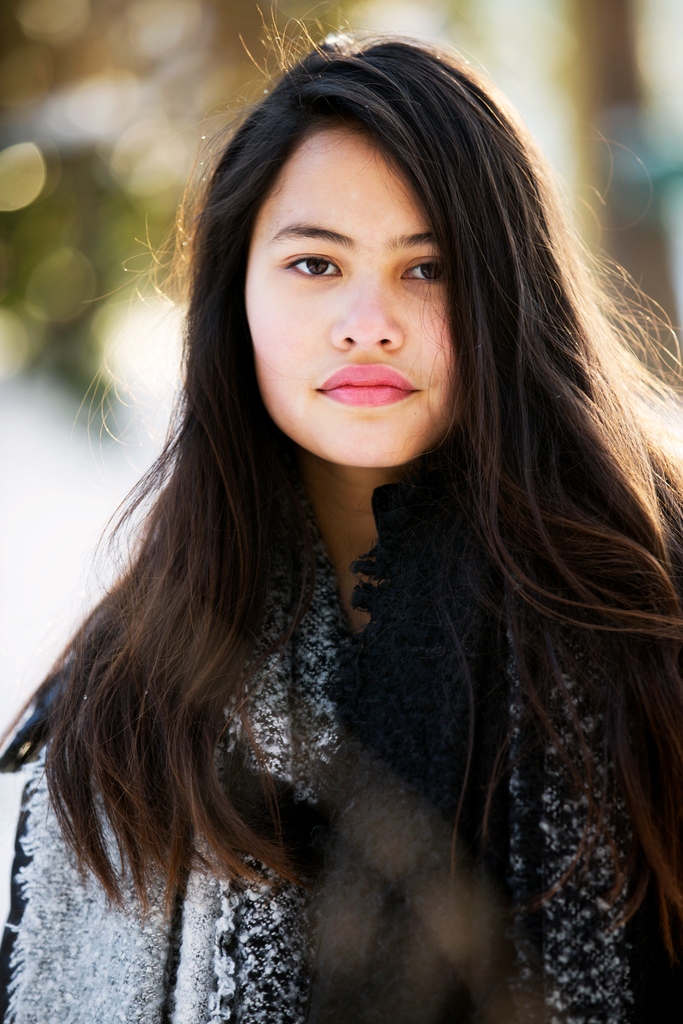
point(59, 285)
point(142, 343)
point(55, 21)
point(22, 175)
point(14, 343)
point(157, 27)
point(25, 75)
point(101, 105)
point(149, 158)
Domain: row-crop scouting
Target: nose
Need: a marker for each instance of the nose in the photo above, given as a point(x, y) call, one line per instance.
point(368, 319)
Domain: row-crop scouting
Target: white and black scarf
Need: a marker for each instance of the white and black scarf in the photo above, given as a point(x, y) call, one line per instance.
point(367, 739)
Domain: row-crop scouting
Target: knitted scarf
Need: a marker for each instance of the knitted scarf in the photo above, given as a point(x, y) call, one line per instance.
point(379, 744)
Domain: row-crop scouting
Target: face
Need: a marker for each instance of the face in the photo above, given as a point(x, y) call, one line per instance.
point(346, 308)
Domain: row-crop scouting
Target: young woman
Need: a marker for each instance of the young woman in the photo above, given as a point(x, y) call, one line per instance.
point(384, 721)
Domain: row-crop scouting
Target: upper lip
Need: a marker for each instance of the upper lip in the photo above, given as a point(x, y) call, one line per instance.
point(373, 376)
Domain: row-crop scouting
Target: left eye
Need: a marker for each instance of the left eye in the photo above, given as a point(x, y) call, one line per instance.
point(314, 267)
point(426, 271)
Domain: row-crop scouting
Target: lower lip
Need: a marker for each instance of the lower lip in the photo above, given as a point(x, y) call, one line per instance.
point(379, 395)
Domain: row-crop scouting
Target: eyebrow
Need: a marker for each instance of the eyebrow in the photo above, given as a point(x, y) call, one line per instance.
point(327, 235)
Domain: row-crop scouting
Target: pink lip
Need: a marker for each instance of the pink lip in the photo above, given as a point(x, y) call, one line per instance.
point(367, 385)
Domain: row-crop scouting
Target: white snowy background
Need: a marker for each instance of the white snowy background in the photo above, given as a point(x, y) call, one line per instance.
point(61, 482)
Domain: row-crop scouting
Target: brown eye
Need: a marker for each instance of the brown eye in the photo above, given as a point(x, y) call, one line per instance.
point(312, 266)
point(431, 271)
point(317, 266)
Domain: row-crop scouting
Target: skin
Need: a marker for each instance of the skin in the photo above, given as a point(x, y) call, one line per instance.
point(342, 271)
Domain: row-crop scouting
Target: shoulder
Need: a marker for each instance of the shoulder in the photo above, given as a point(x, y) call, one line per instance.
point(69, 943)
point(25, 742)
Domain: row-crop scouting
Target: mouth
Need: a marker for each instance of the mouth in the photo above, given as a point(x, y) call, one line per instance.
point(367, 385)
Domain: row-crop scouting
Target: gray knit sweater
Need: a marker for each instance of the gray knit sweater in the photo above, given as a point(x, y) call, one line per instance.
point(388, 907)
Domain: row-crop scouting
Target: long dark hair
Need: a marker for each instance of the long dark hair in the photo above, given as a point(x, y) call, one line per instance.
point(571, 483)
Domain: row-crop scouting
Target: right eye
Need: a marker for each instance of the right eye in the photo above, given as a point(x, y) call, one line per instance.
point(314, 266)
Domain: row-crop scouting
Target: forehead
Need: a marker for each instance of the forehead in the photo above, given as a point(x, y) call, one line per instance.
point(338, 178)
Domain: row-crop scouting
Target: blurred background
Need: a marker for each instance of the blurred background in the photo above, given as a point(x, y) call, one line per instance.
point(104, 108)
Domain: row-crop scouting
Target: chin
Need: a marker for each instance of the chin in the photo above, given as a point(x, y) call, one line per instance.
point(373, 462)
point(367, 448)
point(365, 456)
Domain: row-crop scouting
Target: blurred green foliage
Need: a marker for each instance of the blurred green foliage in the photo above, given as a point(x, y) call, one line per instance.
point(114, 95)
point(103, 104)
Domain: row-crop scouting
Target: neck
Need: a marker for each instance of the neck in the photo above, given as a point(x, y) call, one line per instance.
point(341, 497)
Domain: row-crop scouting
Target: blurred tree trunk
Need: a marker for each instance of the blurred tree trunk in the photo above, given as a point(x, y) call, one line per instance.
point(614, 156)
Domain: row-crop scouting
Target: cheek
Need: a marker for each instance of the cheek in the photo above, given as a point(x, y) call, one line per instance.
point(435, 350)
point(269, 335)
point(438, 366)
point(278, 362)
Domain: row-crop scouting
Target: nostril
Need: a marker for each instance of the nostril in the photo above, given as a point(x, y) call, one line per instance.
point(382, 341)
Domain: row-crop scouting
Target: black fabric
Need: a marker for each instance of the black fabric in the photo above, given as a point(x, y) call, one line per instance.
point(658, 983)
point(173, 960)
point(26, 743)
point(430, 665)
point(424, 688)
point(23, 747)
point(17, 906)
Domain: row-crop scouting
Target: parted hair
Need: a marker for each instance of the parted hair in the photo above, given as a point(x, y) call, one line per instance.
point(572, 484)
